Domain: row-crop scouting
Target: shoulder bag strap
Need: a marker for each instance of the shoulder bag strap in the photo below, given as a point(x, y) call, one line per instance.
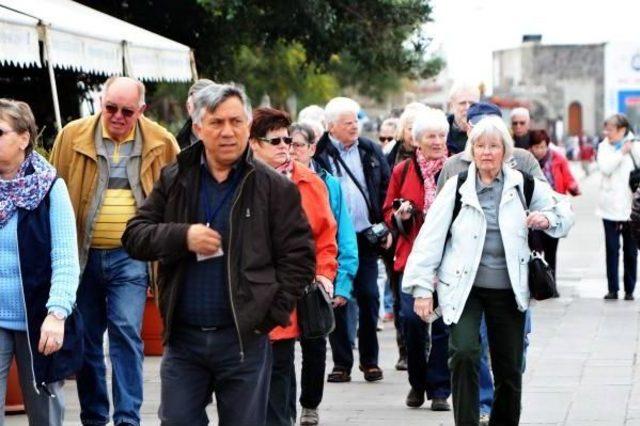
point(354, 180)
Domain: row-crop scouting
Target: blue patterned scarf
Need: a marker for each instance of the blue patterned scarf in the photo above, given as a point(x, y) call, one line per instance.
point(25, 191)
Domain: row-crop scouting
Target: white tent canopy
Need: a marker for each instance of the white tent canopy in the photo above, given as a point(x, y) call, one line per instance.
point(84, 39)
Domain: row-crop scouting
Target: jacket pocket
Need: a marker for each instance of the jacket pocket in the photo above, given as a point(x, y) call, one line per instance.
point(262, 276)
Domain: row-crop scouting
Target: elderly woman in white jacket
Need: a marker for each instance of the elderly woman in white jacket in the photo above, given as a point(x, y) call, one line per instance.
point(482, 267)
point(615, 161)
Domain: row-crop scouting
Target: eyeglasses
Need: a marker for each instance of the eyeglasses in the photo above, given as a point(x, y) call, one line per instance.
point(4, 132)
point(518, 123)
point(276, 141)
point(113, 110)
point(299, 145)
point(384, 139)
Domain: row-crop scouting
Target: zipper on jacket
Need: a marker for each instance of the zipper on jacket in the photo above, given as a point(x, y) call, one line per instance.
point(26, 317)
point(233, 308)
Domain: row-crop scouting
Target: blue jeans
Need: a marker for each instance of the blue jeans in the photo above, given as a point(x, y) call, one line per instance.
point(111, 297)
point(426, 374)
point(486, 380)
point(42, 410)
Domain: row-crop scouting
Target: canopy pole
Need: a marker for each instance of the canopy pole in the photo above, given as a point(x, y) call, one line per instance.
point(192, 62)
point(44, 35)
point(127, 59)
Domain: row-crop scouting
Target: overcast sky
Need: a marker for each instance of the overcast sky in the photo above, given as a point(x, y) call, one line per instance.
point(467, 31)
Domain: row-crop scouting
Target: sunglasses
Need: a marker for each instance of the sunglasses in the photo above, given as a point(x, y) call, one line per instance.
point(384, 139)
point(518, 123)
point(276, 141)
point(4, 132)
point(113, 110)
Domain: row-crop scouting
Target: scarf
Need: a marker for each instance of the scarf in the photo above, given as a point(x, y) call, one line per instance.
point(429, 169)
point(25, 192)
point(286, 168)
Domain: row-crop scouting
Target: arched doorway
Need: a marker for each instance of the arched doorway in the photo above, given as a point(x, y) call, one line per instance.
point(575, 118)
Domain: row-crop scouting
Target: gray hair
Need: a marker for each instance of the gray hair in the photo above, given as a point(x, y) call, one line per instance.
point(463, 86)
point(391, 122)
point(199, 85)
point(411, 111)
point(520, 111)
point(138, 83)
point(338, 106)
point(494, 126)
point(313, 112)
point(20, 117)
point(431, 120)
point(305, 130)
point(210, 97)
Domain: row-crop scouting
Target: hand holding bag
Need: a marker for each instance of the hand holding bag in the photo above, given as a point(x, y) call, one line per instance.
point(315, 312)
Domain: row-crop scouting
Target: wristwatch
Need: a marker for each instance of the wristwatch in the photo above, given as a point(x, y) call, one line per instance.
point(59, 315)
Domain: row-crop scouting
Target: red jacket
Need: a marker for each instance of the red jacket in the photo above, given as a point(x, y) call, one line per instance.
point(315, 203)
point(410, 188)
point(563, 180)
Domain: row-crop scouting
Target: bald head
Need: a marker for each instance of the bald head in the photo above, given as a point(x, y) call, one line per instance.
point(122, 105)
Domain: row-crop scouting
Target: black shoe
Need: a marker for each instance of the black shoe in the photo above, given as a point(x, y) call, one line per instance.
point(372, 373)
point(611, 296)
point(415, 398)
point(440, 404)
point(628, 296)
point(338, 376)
point(401, 365)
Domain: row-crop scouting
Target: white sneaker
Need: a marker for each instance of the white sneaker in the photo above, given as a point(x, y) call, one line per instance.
point(309, 417)
point(484, 419)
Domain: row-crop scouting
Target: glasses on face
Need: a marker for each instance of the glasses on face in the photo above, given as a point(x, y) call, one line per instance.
point(299, 145)
point(276, 141)
point(385, 139)
point(518, 123)
point(493, 147)
point(4, 132)
point(113, 110)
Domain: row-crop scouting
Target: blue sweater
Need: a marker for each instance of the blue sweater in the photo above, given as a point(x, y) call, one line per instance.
point(64, 258)
point(346, 236)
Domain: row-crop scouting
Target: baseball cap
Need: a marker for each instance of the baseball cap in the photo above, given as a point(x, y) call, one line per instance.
point(479, 110)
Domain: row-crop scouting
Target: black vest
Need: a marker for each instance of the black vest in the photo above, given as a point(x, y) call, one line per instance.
point(34, 246)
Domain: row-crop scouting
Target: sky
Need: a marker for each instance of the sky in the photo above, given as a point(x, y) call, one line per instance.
point(467, 31)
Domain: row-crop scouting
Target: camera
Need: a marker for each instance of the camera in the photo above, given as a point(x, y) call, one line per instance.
point(398, 202)
point(376, 234)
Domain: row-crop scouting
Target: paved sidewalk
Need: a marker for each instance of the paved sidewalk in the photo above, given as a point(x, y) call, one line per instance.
point(581, 366)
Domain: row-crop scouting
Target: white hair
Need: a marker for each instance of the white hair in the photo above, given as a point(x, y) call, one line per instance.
point(316, 126)
point(313, 113)
point(431, 120)
point(463, 86)
point(338, 106)
point(490, 125)
point(520, 111)
point(411, 111)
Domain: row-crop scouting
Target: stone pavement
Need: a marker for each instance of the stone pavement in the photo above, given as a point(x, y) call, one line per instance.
point(581, 366)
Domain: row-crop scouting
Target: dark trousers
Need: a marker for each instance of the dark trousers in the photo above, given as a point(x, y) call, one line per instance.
point(365, 289)
point(426, 355)
point(550, 246)
point(612, 233)
point(505, 329)
point(395, 283)
point(281, 410)
point(314, 360)
point(196, 363)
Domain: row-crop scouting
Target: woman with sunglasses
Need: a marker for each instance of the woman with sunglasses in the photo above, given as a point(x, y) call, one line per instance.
point(270, 142)
point(39, 270)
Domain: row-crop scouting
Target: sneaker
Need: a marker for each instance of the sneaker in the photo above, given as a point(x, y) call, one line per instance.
point(440, 404)
point(309, 417)
point(415, 398)
point(628, 296)
point(484, 419)
point(611, 296)
point(401, 365)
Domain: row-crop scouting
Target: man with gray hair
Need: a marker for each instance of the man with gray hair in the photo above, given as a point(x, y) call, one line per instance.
point(520, 124)
point(186, 136)
point(110, 162)
point(461, 96)
point(235, 252)
point(362, 170)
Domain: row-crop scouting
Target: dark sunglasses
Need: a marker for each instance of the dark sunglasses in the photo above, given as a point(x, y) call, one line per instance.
point(113, 110)
point(518, 123)
point(384, 139)
point(4, 132)
point(276, 141)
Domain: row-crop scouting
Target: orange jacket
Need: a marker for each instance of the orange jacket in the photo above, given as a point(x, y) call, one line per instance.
point(315, 203)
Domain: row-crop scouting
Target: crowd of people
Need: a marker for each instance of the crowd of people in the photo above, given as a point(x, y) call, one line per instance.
point(232, 220)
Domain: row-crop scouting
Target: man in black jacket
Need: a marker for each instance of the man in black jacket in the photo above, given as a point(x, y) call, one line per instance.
point(461, 97)
point(364, 176)
point(185, 135)
point(235, 251)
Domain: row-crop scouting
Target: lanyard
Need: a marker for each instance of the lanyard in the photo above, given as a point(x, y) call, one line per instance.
point(210, 217)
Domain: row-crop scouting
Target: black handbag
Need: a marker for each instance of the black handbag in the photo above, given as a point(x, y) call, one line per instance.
point(315, 312)
point(542, 283)
point(634, 175)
